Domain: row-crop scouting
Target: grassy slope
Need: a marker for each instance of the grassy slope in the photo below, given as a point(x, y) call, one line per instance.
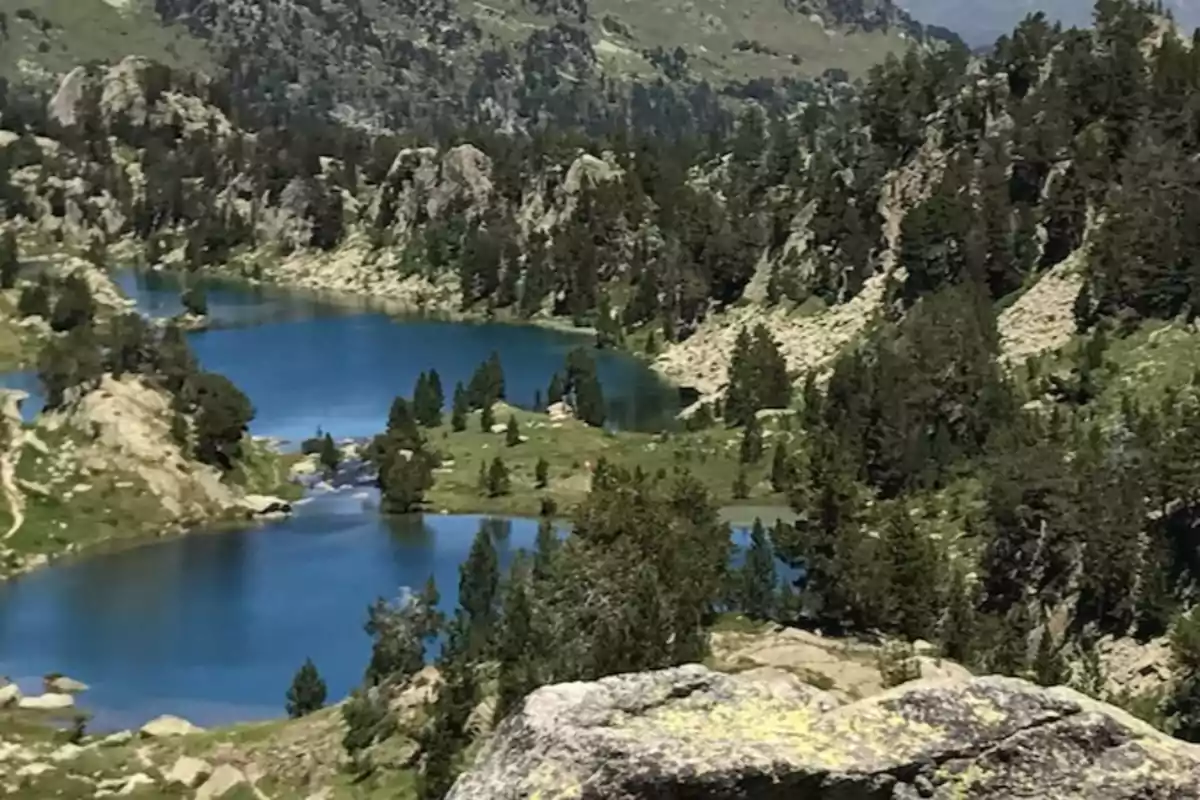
point(707, 30)
point(64, 33)
point(68, 509)
point(571, 449)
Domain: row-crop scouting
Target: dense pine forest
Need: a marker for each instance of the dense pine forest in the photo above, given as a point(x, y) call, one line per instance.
point(1012, 513)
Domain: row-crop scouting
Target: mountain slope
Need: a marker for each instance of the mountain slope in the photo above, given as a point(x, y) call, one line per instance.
point(412, 63)
point(52, 36)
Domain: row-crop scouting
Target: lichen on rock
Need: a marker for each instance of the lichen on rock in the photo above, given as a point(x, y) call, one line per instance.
point(691, 732)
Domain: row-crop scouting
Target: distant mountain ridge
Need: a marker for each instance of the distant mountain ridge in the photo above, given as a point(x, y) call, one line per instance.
point(981, 23)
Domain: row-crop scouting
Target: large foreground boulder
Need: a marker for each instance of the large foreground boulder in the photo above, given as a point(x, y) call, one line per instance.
point(693, 733)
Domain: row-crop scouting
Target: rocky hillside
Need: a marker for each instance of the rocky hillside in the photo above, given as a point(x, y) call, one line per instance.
point(411, 63)
point(694, 733)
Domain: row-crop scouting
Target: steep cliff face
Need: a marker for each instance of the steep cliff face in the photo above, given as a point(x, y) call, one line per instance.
point(689, 732)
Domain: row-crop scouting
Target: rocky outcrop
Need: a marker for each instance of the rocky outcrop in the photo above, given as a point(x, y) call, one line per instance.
point(166, 726)
point(51, 701)
point(690, 732)
point(262, 505)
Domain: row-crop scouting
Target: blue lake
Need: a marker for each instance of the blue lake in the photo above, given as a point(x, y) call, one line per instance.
point(306, 363)
point(212, 626)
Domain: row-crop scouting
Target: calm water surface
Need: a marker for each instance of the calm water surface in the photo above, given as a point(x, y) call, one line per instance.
point(212, 626)
point(308, 364)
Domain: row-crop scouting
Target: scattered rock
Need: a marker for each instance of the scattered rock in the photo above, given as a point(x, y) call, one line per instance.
point(188, 772)
point(260, 505)
point(68, 752)
point(499, 427)
point(560, 411)
point(223, 780)
point(10, 695)
point(61, 684)
point(117, 739)
point(691, 732)
point(168, 725)
point(134, 782)
point(33, 770)
point(50, 701)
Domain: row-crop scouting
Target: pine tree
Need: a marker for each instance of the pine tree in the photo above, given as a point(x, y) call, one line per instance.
point(556, 390)
point(740, 401)
point(750, 451)
point(10, 259)
point(74, 306)
point(958, 627)
point(458, 416)
point(781, 469)
point(404, 481)
point(741, 485)
point(498, 482)
point(1049, 666)
point(773, 385)
point(478, 591)
point(35, 299)
point(757, 579)
point(307, 692)
point(914, 571)
point(487, 418)
point(515, 649)
point(589, 400)
point(512, 433)
point(195, 300)
point(541, 473)
point(446, 735)
point(437, 395)
point(402, 430)
point(427, 401)
point(329, 455)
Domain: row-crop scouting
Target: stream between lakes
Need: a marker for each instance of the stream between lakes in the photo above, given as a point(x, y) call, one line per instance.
point(212, 627)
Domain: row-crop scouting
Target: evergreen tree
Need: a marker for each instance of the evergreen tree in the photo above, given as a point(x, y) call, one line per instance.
point(427, 402)
point(307, 692)
point(750, 451)
point(404, 480)
point(437, 396)
point(1049, 666)
point(487, 418)
point(10, 259)
point(458, 416)
point(781, 469)
point(446, 735)
point(195, 300)
point(35, 299)
point(757, 580)
point(487, 384)
point(329, 455)
point(512, 433)
point(366, 718)
point(222, 416)
point(478, 591)
point(516, 650)
point(556, 391)
point(498, 482)
point(958, 627)
point(740, 400)
point(914, 575)
point(541, 473)
point(741, 485)
point(74, 306)
point(402, 431)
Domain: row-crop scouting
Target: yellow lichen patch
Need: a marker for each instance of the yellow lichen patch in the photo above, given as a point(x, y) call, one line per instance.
point(984, 709)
